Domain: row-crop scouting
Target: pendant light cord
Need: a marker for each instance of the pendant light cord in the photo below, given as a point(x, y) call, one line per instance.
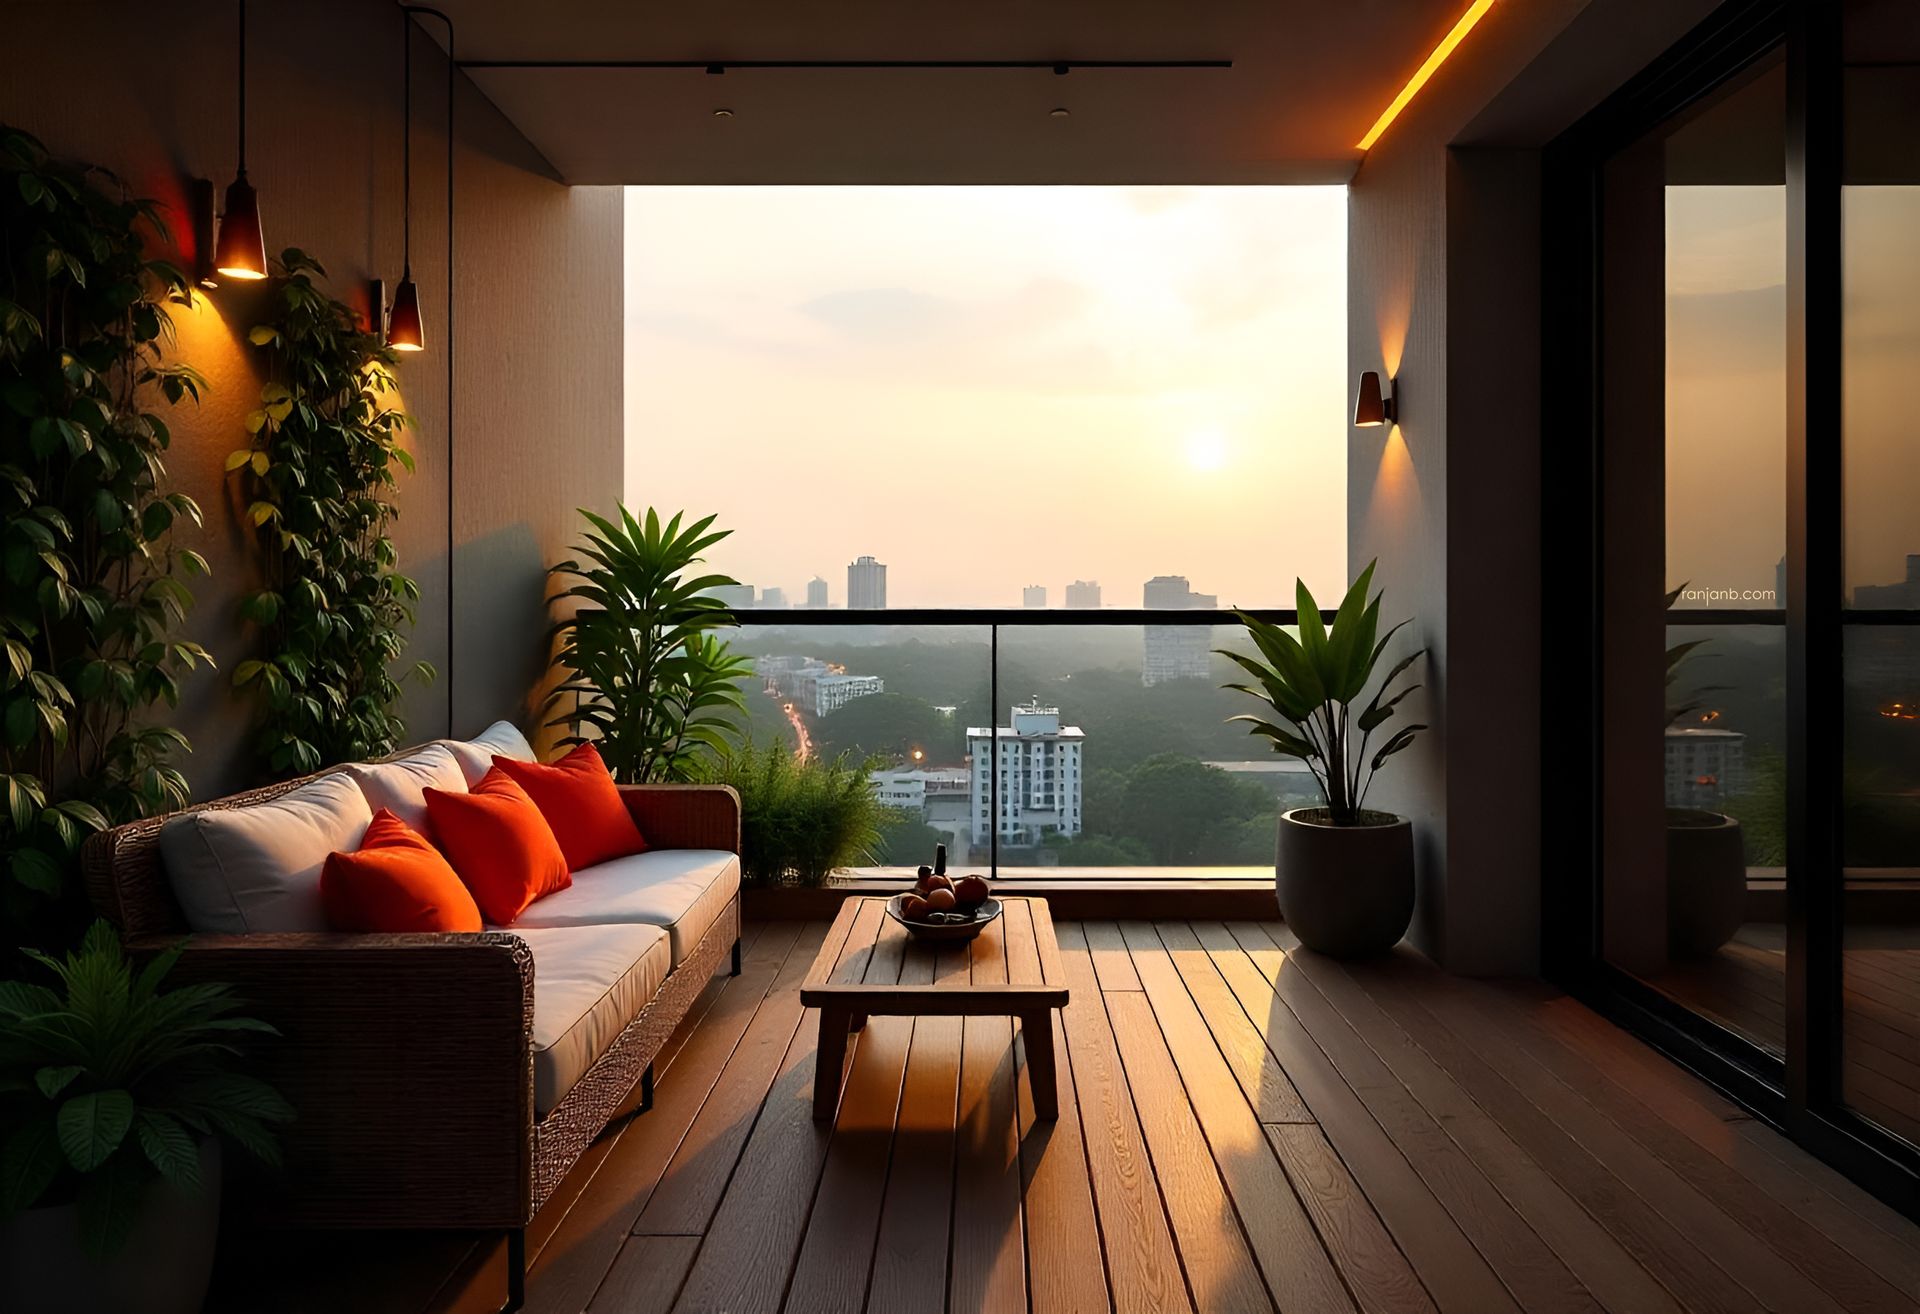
point(242, 7)
point(406, 149)
point(453, 67)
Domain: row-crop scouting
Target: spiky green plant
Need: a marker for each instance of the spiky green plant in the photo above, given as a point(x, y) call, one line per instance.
point(1312, 683)
point(107, 1084)
point(801, 819)
point(642, 665)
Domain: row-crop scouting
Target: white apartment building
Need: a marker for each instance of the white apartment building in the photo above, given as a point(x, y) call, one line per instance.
point(1033, 595)
point(1040, 777)
point(828, 692)
point(816, 592)
point(773, 598)
point(738, 596)
point(920, 790)
point(1084, 595)
point(1704, 767)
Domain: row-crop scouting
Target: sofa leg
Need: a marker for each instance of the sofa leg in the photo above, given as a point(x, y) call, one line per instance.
point(736, 957)
point(646, 1089)
point(516, 1270)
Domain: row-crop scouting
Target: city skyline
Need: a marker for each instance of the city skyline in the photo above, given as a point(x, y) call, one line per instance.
point(987, 387)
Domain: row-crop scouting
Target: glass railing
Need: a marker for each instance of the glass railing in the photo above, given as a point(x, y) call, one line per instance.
point(1053, 744)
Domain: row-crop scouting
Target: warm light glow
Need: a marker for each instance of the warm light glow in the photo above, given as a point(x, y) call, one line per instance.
point(241, 251)
point(405, 331)
point(1206, 449)
point(1466, 24)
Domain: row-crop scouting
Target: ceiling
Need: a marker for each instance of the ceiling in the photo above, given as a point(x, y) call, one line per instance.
point(1307, 80)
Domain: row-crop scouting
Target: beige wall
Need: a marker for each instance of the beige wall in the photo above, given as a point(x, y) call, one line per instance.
point(148, 91)
point(1443, 292)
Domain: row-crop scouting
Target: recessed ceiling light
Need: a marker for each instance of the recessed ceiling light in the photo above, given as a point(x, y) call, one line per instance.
point(1059, 112)
point(723, 113)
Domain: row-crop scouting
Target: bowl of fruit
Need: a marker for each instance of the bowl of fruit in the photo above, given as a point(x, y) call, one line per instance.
point(941, 908)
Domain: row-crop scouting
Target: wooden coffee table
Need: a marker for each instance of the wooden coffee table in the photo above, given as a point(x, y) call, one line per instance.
point(1011, 969)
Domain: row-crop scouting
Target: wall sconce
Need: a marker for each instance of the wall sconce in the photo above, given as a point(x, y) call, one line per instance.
point(242, 250)
point(1371, 408)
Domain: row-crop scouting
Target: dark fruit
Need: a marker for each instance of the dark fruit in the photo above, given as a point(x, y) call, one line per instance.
point(971, 892)
point(924, 872)
point(941, 900)
point(913, 908)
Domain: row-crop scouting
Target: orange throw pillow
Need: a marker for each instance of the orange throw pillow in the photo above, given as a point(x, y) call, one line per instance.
point(500, 845)
point(578, 798)
point(395, 881)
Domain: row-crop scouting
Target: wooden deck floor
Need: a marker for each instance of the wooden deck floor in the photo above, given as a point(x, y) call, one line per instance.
point(1242, 1128)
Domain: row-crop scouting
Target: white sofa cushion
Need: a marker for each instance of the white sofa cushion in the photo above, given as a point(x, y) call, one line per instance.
point(398, 784)
point(257, 868)
point(502, 739)
point(681, 890)
point(589, 982)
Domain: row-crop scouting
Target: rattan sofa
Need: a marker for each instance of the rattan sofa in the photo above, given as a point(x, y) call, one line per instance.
point(409, 1057)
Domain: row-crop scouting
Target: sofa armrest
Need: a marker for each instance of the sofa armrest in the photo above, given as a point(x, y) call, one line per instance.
point(408, 1059)
point(686, 816)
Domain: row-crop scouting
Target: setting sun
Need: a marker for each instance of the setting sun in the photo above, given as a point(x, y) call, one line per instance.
point(1206, 449)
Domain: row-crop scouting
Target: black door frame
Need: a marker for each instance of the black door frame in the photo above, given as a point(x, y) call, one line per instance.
point(1800, 1095)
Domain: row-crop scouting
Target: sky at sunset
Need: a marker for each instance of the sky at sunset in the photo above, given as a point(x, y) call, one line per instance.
point(992, 387)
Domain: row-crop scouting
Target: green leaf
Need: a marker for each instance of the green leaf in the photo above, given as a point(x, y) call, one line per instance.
point(169, 1148)
point(52, 1081)
point(91, 1127)
point(29, 1162)
point(239, 457)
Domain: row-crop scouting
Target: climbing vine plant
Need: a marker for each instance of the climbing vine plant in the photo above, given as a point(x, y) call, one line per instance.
point(95, 590)
point(319, 477)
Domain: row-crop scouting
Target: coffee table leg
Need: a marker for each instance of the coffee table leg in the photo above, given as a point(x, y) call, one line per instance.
point(1036, 1030)
point(828, 1062)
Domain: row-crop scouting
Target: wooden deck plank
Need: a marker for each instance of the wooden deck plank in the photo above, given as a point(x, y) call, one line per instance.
point(1111, 962)
point(1624, 1188)
point(1599, 1261)
point(910, 1254)
point(1144, 1268)
point(1825, 1270)
point(570, 1267)
point(646, 1276)
point(1279, 1233)
point(1454, 1272)
point(989, 1267)
point(1375, 1271)
point(748, 1254)
point(1219, 1266)
point(696, 1177)
point(837, 1250)
point(1259, 1074)
point(1066, 1270)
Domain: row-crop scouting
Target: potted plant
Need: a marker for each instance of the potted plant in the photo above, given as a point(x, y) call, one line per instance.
point(1706, 852)
point(1343, 871)
point(641, 663)
point(114, 1099)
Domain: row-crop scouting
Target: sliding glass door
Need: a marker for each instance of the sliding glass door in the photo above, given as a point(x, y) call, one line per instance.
point(1733, 319)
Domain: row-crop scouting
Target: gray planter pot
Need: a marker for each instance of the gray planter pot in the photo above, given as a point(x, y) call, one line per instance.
point(1706, 881)
point(163, 1268)
point(1345, 890)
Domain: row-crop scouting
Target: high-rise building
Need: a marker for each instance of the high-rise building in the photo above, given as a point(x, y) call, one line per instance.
point(1040, 776)
point(867, 583)
point(1900, 596)
point(773, 597)
point(816, 592)
point(737, 596)
point(1033, 595)
point(1084, 594)
point(1175, 652)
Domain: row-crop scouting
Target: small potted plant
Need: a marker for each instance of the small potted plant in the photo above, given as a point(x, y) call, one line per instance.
point(1343, 871)
point(114, 1099)
point(1706, 852)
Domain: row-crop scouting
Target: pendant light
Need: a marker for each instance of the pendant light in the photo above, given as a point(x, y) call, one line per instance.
point(404, 330)
point(241, 251)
